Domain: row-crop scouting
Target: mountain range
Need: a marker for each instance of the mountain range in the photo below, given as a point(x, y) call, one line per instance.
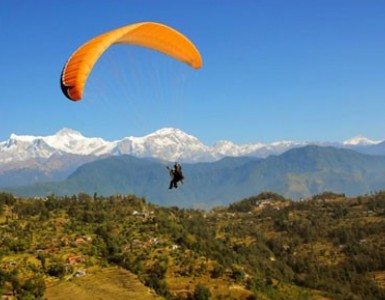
point(69, 163)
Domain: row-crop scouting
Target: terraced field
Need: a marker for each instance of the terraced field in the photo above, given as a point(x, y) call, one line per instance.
point(107, 283)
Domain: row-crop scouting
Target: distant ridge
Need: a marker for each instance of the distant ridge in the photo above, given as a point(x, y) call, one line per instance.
point(297, 173)
point(27, 159)
point(166, 144)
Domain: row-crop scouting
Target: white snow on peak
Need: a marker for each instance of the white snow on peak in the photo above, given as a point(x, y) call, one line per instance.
point(170, 144)
point(167, 131)
point(284, 143)
point(22, 138)
point(24, 147)
point(68, 132)
point(71, 141)
point(228, 148)
point(171, 135)
point(360, 141)
point(167, 144)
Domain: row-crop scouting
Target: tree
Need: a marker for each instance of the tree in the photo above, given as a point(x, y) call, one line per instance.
point(217, 271)
point(7, 198)
point(159, 286)
point(34, 287)
point(57, 269)
point(201, 293)
point(42, 259)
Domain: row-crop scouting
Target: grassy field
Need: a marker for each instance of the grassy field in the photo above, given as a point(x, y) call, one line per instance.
point(107, 283)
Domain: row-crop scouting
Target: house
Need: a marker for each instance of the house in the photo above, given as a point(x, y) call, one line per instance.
point(9, 265)
point(80, 273)
point(65, 241)
point(80, 240)
point(174, 247)
point(75, 259)
point(153, 241)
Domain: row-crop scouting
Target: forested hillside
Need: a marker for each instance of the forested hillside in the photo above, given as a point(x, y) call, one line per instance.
point(297, 173)
point(263, 247)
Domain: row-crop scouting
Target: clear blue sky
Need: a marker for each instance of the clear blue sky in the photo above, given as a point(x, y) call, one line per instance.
point(272, 70)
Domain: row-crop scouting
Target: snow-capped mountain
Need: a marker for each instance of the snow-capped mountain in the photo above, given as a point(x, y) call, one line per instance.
point(360, 141)
point(166, 144)
point(24, 147)
point(56, 156)
point(228, 148)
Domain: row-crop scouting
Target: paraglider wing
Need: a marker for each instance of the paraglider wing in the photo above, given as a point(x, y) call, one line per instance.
point(148, 34)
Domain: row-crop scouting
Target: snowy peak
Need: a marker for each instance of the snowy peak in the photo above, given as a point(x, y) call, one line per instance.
point(24, 147)
point(228, 148)
point(360, 141)
point(168, 131)
point(168, 144)
point(68, 132)
point(71, 141)
point(171, 135)
point(14, 138)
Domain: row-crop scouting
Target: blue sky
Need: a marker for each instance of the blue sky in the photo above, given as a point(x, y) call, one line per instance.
point(272, 70)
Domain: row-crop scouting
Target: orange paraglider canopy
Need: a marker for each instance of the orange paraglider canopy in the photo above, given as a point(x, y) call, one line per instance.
point(147, 34)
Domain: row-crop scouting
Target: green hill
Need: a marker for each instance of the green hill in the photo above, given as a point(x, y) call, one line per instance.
point(262, 247)
point(296, 174)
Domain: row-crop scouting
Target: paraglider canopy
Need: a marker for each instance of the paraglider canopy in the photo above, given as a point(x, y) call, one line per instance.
point(151, 35)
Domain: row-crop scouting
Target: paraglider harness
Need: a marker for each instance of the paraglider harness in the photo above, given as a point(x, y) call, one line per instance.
point(176, 175)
